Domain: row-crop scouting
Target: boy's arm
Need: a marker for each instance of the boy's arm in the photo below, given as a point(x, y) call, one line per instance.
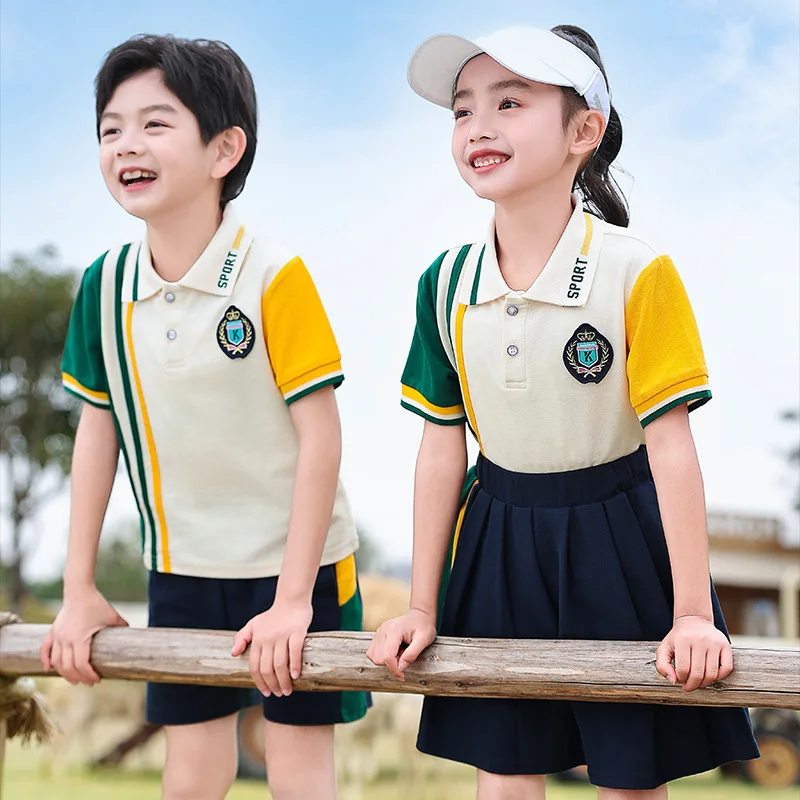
point(316, 420)
point(278, 634)
point(702, 653)
point(85, 611)
point(441, 465)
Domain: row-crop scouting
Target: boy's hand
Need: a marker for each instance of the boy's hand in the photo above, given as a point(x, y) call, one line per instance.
point(67, 646)
point(701, 652)
point(398, 642)
point(276, 646)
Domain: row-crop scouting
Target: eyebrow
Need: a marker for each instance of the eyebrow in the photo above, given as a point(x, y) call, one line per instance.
point(498, 86)
point(163, 107)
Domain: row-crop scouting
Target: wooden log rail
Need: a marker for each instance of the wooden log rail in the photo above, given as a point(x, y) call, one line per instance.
point(564, 670)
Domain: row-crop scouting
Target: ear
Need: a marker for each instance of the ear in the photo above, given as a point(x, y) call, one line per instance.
point(590, 126)
point(229, 149)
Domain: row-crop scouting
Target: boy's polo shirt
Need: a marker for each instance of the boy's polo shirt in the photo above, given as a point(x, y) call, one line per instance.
point(567, 373)
point(199, 375)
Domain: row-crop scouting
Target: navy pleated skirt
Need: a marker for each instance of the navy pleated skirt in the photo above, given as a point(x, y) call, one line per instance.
point(571, 555)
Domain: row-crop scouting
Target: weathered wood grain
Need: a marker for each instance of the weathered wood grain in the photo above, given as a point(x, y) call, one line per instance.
point(571, 670)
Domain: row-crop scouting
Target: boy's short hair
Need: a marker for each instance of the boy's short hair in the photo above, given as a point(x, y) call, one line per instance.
point(207, 76)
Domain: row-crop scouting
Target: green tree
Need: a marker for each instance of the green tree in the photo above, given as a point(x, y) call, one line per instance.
point(119, 573)
point(369, 556)
point(37, 417)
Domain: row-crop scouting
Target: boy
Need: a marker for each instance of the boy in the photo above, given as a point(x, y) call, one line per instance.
point(203, 352)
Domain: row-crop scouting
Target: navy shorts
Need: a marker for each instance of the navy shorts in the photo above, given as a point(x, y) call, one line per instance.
point(180, 601)
point(572, 555)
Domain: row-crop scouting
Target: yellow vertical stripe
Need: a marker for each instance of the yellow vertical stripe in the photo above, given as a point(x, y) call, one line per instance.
point(150, 445)
point(587, 240)
point(238, 240)
point(346, 581)
point(460, 522)
point(462, 372)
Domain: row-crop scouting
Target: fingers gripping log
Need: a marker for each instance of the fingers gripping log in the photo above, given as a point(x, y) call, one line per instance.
point(556, 670)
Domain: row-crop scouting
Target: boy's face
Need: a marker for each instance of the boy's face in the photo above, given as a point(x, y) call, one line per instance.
point(152, 156)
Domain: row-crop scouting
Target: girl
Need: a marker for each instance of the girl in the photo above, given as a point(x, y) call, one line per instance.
point(569, 347)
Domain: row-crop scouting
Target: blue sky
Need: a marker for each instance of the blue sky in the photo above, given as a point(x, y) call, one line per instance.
point(354, 172)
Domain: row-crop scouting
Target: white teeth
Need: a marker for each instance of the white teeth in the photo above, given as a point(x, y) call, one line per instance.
point(488, 161)
point(133, 175)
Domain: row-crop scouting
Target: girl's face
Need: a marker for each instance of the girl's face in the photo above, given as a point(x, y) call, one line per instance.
point(509, 136)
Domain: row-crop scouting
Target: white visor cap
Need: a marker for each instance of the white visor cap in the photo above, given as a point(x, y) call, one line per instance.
point(533, 53)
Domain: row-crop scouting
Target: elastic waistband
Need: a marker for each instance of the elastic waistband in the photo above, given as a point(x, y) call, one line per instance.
point(559, 489)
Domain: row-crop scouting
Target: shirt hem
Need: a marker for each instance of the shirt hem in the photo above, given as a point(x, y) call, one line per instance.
point(268, 569)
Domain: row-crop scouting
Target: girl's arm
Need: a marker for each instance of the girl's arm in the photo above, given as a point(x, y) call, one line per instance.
point(441, 466)
point(701, 652)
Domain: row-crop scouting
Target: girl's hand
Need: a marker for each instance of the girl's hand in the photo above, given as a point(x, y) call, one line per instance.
point(398, 642)
point(276, 640)
point(701, 654)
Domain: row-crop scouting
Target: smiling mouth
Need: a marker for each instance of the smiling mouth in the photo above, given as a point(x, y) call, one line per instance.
point(136, 177)
point(488, 161)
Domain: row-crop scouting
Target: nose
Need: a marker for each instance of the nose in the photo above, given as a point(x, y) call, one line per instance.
point(128, 143)
point(481, 128)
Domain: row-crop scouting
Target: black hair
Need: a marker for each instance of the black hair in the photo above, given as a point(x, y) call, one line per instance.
point(600, 191)
point(207, 76)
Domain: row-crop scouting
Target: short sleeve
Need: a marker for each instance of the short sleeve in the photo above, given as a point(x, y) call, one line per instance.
point(83, 371)
point(300, 342)
point(666, 366)
point(430, 384)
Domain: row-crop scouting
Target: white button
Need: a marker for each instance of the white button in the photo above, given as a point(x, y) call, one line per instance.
point(512, 311)
point(512, 350)
point(171, 334)
point(169, 297)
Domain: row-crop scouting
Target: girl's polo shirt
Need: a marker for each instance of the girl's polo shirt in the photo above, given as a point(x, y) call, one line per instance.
point(567, 373)
point(199, 375)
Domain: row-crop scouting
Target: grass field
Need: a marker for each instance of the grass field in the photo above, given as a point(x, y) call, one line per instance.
point(25, 781)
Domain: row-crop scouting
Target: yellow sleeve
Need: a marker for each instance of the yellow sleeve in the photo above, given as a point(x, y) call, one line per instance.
point(666, 366)
point(300, 342)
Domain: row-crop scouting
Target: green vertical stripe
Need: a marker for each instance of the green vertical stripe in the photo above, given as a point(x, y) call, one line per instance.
point(136, 277)
point(458, 265)
point(130, 474)
point(126, 385)
point(354, 704)
point(476, 282)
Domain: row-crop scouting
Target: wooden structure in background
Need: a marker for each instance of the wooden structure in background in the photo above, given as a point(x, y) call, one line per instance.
point(756, 574)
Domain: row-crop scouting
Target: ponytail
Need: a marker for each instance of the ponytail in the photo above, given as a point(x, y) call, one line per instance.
point(600, 191)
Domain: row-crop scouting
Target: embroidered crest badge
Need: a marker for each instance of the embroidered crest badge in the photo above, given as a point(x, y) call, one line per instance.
point(235, 334)
point(588, 355)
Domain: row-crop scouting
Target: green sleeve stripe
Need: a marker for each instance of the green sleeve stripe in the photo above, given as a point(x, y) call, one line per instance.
point(304, 391)
point(477, 280)
point(131, 408)
point(76, 388)
point(458, 266)
point(430, 417)
point(693, 401)
point(86, 398)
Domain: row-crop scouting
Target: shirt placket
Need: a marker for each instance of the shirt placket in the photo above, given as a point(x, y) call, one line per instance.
point(171, 299)
point(515, 313)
